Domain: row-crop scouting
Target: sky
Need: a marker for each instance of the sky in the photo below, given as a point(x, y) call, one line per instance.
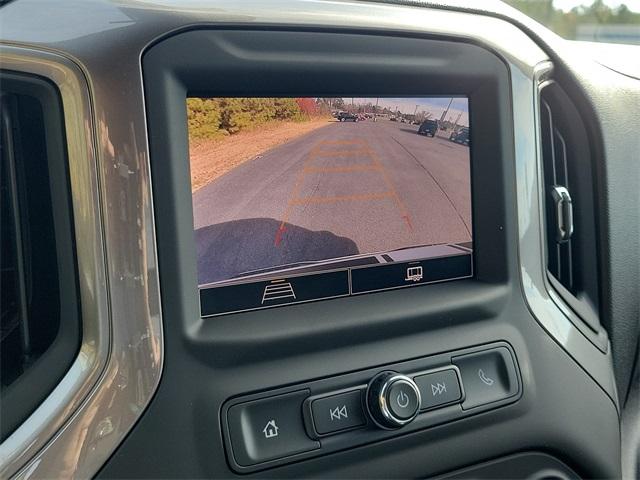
point(566, 5)
point(433, 105)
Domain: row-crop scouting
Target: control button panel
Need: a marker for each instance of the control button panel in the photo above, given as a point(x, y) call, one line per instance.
point(488, 376)
point(438, 388)
point(268, 429)
point(338, 412)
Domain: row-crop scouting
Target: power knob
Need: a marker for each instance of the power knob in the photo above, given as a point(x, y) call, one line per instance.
point(393, 400)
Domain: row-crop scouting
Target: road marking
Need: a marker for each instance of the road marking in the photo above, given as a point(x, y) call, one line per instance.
point(352, 168)
point(389, 182)
point(294, 193)
point(421, 165)
point(355, 141)
point(341, 153)
point(340, 198)
point(315, 152)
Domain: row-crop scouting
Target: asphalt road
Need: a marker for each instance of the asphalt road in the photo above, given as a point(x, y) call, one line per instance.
point(343, 189)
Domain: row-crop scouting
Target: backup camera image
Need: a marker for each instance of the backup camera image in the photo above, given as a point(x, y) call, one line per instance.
point(291, 186)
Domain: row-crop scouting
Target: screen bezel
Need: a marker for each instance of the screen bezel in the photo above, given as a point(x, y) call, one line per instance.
point(173, 71)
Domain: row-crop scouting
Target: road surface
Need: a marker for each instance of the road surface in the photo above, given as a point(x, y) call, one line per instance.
point(344, 189)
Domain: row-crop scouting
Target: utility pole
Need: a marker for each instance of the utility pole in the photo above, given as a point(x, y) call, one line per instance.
point(444, 114)
point(414, 112)
point(457, 120)
point(375, 112)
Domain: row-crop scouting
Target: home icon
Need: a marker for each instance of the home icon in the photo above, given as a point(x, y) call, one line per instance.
point(271, 429)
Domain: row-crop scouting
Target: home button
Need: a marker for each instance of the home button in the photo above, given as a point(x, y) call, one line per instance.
point(268, 429)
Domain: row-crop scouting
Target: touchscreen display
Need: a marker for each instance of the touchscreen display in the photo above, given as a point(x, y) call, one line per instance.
point(300, 199)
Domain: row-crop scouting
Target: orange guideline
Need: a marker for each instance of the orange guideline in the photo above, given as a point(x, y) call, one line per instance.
point(317, 151)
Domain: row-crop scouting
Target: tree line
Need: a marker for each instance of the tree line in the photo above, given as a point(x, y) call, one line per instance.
point(216, 117)
point(566, 24)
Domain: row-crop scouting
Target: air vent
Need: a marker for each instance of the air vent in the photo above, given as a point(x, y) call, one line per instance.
point(558, 201)
point(572, 261)
point(39, 329)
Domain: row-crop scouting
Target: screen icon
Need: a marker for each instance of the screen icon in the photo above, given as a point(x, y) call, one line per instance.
point(270, 430)
point(403, 400)
point(438, 389)
point(486, 380)
point(338, 413)
point(414, 274)
point(277, 290)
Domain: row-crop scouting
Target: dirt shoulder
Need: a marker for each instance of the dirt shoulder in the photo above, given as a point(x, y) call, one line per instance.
point(211, 159)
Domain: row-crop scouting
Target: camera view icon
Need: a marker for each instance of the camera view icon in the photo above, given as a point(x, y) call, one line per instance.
point(277, 290)
point(414, 274)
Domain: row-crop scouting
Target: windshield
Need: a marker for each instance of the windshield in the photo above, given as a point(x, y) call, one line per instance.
point(608, 21)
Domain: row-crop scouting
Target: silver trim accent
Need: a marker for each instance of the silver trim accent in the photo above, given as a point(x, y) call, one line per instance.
point(551, 313)
point(77, 427)
point(564, 223)
point(83, 374)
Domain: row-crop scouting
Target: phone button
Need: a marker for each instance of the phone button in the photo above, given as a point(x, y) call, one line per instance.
point(488, 376)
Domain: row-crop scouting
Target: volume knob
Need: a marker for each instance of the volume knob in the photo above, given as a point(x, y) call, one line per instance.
point(393, 400)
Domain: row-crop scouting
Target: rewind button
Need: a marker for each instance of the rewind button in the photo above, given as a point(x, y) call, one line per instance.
point(337, 412)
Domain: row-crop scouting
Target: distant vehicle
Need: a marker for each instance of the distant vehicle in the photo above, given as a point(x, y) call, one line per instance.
point(428, 127)
point(347, 117)
point(393, 119)
point(415, 122)
point(461, 136)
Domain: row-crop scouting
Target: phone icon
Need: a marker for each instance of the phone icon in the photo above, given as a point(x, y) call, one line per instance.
point(486, 380)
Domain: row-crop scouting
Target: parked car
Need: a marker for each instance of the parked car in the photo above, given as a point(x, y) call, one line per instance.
point(428, 127)
point(460, 136)
point(347, 117)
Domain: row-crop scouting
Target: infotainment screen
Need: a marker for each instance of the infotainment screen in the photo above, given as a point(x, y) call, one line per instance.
point(302, 199)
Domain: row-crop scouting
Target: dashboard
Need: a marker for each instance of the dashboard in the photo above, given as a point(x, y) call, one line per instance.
point(437, 278)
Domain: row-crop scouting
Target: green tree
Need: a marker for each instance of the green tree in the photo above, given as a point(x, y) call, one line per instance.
point(203, 117)
point(566, 24)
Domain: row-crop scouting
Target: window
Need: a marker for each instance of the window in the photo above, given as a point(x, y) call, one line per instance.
point(609, 21)
point(40, 330)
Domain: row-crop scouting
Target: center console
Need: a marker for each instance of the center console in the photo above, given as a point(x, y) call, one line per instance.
point(295, 347)
point(344, 411)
